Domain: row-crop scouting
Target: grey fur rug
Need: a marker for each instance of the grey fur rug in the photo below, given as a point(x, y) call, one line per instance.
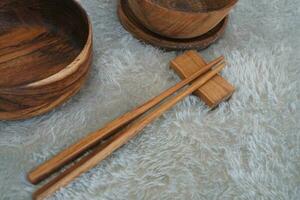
point(248, 148)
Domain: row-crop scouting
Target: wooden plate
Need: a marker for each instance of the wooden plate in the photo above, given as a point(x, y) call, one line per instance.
point(132, 25)
point(45, 50)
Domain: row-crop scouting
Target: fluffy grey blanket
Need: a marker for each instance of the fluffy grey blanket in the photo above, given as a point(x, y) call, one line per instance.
point(248, 148)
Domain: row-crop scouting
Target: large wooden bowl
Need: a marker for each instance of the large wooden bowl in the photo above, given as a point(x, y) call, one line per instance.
point(45, 54)
point(181, 18)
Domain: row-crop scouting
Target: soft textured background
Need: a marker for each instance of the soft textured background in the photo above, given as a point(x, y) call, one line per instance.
point(248, 148)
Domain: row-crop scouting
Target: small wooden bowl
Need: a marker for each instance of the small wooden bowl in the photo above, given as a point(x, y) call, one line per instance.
point(45, 54)
point(181, 19)
point(133, 26)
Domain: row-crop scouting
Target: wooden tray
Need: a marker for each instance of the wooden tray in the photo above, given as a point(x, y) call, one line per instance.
point(132, 25)
point(45, 54)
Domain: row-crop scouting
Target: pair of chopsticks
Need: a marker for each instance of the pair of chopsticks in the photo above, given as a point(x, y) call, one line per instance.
point(115, 134)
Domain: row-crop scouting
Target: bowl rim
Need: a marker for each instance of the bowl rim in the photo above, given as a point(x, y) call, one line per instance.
point(75, 64)
point(229, 5)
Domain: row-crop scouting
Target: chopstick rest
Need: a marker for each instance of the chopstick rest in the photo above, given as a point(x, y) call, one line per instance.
point(215, 90)
point(122, 137)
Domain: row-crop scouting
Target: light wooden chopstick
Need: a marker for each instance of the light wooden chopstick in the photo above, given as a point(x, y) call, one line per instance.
point(74, 151)
point(120, 139)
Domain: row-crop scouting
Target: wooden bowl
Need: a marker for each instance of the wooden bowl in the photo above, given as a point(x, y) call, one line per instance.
point(133, 26)
point(181, 19)
point(45, 53)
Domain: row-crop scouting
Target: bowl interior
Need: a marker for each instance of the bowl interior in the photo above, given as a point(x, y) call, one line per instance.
point(194, 5)
point(38, 38)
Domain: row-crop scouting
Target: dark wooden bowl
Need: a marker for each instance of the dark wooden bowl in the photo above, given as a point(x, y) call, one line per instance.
point(45, 53)
point(181, 18)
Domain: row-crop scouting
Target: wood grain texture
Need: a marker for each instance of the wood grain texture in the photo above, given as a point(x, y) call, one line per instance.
point(181, 19)
point(74, 151)
point(45, 49)
point(215, 90)
point(24, 112)
point(132, 25)
point(193, 5)
point(119, 139)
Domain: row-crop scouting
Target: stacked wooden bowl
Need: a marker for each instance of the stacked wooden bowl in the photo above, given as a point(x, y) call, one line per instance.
point(45, 55)
point(176, 24)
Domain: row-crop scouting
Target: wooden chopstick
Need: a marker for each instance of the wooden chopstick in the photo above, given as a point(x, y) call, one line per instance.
point(120, 139)
point(74, 151)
